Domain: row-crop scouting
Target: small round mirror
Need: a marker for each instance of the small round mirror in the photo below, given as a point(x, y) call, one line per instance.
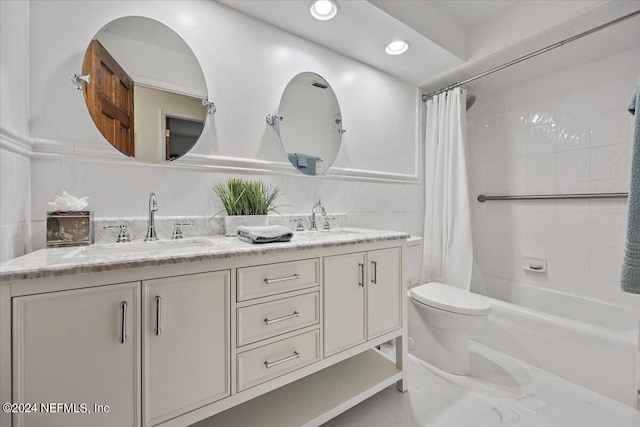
point(310, 123)
point(146, 89)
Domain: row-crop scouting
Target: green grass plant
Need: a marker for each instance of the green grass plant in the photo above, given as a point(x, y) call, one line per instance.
point(246, 197)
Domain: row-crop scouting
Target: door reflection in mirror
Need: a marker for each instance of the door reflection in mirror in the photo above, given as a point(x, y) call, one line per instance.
point(146, 90)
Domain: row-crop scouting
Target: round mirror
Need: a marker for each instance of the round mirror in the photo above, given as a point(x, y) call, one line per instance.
point(146, 89)
point(310, 123)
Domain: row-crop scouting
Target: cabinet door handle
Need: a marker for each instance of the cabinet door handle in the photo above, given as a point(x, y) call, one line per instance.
point(282, 279)
point(375, 272)
point(295, 355)
point(158, 318)
point(123, 331)
point(295, 314)
point(361, 283)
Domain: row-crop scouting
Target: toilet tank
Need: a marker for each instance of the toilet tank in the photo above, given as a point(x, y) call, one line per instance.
point(414, 260)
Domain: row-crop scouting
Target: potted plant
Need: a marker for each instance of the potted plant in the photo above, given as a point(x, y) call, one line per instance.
point(247, 202)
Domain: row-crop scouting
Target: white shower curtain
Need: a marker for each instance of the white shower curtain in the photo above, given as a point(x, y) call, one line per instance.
point(448, 250)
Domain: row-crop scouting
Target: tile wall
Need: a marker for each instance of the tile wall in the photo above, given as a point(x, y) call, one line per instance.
point(564, 133)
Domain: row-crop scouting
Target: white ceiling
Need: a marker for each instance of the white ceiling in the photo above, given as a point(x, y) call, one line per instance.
point(472, 12)
point(449, 39)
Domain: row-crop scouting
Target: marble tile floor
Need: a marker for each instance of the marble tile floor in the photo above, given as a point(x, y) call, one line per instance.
point(502, 391)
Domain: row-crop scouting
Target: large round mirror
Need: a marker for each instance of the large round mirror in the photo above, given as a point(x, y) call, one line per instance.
point(310, 123)
point(146, 89)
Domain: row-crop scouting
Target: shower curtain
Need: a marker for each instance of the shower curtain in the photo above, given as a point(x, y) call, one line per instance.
point(448, 250)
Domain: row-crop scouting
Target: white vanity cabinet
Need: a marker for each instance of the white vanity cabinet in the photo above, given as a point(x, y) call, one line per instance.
point(78, 347)
point(267, 335)
point(185, 352)
point(362, 297)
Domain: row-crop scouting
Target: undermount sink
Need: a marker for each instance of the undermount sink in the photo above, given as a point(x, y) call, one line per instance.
point(114, 249)
point(324, 233)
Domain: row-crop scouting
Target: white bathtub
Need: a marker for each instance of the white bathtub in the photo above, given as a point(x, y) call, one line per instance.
point(588, 342)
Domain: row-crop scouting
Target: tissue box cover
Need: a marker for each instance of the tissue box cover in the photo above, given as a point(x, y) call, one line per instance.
point(69, 228)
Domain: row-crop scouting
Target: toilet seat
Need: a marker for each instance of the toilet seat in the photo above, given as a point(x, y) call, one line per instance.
point(450, 298)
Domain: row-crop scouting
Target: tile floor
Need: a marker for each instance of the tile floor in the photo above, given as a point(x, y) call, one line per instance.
point(503, 391)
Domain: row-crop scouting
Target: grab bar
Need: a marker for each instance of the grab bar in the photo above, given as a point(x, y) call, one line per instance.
point(482, 198)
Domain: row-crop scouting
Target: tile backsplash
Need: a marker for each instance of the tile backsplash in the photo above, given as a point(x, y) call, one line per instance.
point(202, 225)
point(565, 133)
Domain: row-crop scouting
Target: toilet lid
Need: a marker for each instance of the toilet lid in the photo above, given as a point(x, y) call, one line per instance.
point(450, 298)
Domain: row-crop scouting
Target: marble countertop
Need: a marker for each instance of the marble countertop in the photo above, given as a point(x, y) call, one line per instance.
point(116, 256)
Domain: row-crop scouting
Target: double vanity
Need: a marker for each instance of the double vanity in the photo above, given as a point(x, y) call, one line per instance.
point(213, 330)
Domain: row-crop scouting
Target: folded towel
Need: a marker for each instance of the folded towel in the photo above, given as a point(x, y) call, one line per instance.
point(309, 163)
point(293, 158)
point(630, 279)
point(264, 234)
point(302, 160)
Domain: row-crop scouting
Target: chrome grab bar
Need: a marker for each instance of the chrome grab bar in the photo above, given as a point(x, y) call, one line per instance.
point(282, 279)
point(482, 198)
point(295, 355)
point(295, 314)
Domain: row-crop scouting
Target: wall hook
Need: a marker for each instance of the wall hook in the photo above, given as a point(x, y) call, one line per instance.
point(76, 80)
point(211, 106)
point(272, 119)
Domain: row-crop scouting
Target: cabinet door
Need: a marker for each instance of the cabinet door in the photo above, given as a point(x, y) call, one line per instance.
point(185, 344)
point(383, 291)
point(78, 347)
point(344, 302)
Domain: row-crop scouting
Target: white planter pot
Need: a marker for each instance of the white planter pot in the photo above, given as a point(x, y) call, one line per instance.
point(231, 222)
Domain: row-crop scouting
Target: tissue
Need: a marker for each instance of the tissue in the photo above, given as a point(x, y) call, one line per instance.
point(67, 202)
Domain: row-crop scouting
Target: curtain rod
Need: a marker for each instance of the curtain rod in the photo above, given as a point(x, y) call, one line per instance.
point(532, 54)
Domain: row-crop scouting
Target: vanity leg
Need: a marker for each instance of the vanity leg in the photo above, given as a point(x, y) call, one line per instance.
point(401, 362)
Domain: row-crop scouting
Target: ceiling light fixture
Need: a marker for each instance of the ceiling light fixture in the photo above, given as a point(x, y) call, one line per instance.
point(397, 47)
point(324, 10)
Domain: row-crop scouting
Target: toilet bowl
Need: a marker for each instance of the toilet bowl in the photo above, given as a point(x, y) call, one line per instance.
point(440, 319)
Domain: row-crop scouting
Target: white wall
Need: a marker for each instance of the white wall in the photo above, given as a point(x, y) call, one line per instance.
point(564, 133)
point(15, 148)
point(247, 64)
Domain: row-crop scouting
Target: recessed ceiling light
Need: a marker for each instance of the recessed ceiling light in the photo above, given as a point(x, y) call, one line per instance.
point(324, 10)
point(397, 47)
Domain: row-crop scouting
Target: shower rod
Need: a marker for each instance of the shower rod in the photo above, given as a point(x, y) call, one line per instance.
point(482, 198)
point(532, 54)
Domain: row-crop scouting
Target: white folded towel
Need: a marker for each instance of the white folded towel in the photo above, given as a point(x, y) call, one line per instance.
point(264, 234)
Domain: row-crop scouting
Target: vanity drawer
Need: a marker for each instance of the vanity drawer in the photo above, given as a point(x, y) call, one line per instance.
point(261, 321)
point(271, 279)
point(270, 361)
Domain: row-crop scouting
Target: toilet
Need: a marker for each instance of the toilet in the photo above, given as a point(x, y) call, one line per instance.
point(441, 317)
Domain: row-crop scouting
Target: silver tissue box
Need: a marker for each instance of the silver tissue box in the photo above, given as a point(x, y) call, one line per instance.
point(69, 228)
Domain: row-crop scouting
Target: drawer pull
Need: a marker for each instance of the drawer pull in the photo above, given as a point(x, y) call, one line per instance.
point(123, 329)
point(295, 355)
point(280, 319)
point(282, 279)
point(361, 283)
point(375, 272)
point(158, 318)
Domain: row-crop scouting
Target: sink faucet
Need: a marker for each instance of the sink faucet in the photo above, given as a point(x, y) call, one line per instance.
point(151, 229)
point(314, 225)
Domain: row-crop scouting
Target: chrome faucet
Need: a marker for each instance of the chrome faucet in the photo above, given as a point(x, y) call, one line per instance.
point(151, 229)
point(312, 218)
